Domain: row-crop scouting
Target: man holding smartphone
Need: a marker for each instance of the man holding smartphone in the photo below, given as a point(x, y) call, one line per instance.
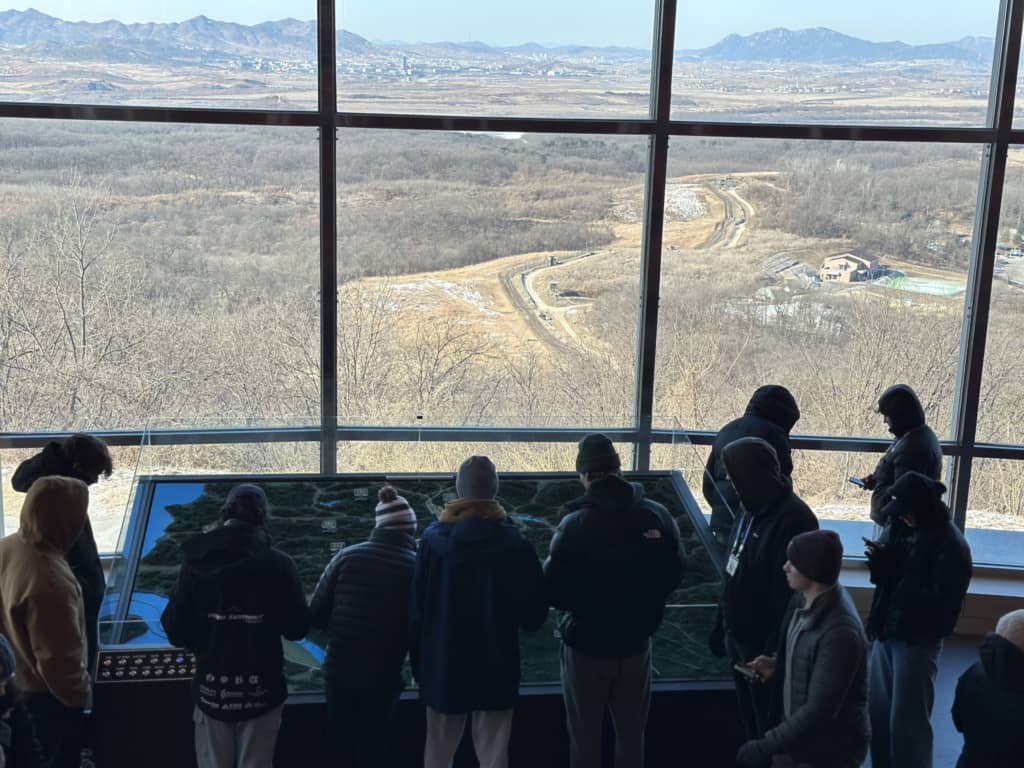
point(915, 449)
point(921, 570)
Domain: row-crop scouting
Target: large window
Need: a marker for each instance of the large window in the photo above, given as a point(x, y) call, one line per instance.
point(488, 279)
point(467, 231)
point(834, 269)
point(154, 272)
point(229, 54)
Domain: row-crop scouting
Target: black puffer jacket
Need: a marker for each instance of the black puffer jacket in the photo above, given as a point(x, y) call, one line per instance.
point(83, 557)
point(755, 597)
point(614, 559)
point(770, 415)
point(363, 601)
point(989, 707)
point(916, 448)
point(921, 574)
point(235, 597)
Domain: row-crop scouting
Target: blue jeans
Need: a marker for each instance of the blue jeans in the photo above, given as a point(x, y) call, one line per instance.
point(901, 693)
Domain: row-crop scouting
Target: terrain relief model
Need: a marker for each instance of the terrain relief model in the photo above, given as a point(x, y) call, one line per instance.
point(313, 519)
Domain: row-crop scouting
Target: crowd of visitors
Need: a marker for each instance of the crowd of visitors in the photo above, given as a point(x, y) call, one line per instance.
point(815, 687)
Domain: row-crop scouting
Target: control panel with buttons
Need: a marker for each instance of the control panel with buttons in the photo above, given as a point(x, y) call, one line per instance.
point(137, 665)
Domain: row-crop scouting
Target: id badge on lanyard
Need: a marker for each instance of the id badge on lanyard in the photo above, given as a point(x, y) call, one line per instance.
point(733, 563)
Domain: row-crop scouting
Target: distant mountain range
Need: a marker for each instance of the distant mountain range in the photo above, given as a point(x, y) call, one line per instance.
point(827, 45)
point(207, 41)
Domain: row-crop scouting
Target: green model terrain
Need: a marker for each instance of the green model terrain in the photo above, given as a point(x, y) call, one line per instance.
point(313, 519)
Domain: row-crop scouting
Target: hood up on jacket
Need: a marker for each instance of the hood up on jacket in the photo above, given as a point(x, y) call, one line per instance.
point(753, 468)
point(919, 496)
point(1003, 662)
point(226, 546)
point(775, 403)
point(54, 512)
point(899, 402)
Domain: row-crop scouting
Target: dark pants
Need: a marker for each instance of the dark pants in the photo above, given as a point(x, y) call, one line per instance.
point(753, 699)
point(60, 729)
point(359, 725)
point(753, 703)
point(901, 693)
point(622, 686)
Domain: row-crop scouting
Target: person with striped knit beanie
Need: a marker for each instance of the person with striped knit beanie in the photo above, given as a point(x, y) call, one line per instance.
point(394, 512)
point(362, 601)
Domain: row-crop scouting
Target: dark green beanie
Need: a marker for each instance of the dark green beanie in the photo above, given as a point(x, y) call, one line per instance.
point(596, 454)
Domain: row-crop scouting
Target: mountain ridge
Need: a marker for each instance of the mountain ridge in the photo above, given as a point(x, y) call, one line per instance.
point(291, 39)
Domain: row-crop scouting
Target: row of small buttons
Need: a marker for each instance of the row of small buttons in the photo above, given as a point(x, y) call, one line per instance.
point(136, 666)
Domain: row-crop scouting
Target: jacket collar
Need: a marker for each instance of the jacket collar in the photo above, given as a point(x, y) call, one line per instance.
point(393, 537)
point(487, 510)
point(824, 604)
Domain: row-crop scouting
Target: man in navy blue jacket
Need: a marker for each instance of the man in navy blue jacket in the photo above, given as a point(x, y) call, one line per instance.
point(477, 582)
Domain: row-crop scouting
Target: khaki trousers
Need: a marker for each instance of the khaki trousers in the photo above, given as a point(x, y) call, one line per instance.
point(491, 733)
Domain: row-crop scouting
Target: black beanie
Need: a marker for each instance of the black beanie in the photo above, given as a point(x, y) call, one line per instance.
point(596, 454)
point(818, 555)
point(918, 495)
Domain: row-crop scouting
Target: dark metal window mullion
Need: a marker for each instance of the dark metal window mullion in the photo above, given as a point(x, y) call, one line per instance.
point(986, 231)
point(328, 109)
point(653, 229)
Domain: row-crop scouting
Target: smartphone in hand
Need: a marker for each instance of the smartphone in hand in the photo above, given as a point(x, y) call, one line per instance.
point(747, 672)
point(856, 481)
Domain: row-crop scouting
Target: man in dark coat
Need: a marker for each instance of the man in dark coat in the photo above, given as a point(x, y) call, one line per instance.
point(771, 414)
point(84, 458)
point(915, 449)
point(755, 596)
point(822, 663)
point(235, 598)
point(362, 600)
point(477, 583)
point(989, 704)
point(613, 560)
point(921, 568)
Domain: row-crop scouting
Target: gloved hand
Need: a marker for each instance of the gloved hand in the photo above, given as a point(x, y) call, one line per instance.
point(754, 754)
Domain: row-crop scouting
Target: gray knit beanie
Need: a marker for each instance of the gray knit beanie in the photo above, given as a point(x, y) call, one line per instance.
point(477, 479)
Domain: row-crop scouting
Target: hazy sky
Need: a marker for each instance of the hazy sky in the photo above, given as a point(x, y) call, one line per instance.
point(595, 22)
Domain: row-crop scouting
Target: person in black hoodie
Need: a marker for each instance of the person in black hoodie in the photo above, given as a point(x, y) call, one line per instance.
point(989, 705)
point(85, 458)
point(771, 414)
point(921, 568)
point(235, 598)
point(756, 594)
point(613, 560)
point(915, 449)
point(362, 600)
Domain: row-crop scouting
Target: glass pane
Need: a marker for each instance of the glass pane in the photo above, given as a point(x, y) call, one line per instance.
point(445, 457)
point(1002, 384)
point(531, 58)
point(995, 512)
point(237, 55)
point(835, 269)
point(488, 279)
point(152, 271)
point(867, 63)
